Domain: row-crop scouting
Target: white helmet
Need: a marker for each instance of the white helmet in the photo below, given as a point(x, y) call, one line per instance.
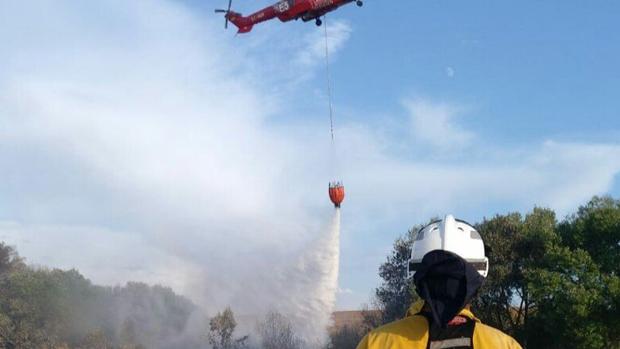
point(451, 235)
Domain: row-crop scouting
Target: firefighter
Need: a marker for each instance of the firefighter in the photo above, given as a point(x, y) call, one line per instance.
point(448, 266)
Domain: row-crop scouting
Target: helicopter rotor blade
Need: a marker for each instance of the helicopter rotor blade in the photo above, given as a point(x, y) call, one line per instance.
point(226, 12)
point(225, 16)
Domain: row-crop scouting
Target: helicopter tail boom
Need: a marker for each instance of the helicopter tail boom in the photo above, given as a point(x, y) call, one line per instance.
point(244, 24)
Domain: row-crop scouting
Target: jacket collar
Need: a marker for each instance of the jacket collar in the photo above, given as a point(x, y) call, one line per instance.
point(417, 306)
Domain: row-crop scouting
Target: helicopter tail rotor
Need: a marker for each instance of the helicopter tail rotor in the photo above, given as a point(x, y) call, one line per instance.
point(226, 13)
point(244, 24)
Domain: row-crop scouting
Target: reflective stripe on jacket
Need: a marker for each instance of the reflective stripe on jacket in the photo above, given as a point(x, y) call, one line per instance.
point(412, 333)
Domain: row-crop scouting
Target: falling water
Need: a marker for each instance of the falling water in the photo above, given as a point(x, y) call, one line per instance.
point(317, 271)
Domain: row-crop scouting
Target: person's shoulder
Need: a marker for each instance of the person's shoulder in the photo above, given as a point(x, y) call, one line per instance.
point(489, 337)
point(405, 325)
point(405, 333)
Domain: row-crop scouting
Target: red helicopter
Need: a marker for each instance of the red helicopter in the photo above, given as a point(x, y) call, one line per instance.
point(285, 10)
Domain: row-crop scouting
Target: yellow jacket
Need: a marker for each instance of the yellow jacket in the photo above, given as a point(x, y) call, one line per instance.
point(412, 333)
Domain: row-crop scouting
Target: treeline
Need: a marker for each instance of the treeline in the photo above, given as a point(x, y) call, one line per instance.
point(51, 308)
point(552, 283)
point(275, 331)
point(54, 309)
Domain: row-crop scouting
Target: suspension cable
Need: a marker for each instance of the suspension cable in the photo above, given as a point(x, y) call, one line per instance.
point(329, 84)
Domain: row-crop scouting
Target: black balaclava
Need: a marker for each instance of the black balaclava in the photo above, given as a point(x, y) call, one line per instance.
point(447, 283)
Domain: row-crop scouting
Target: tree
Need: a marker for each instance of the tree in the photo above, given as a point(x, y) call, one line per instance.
point(371, 318)
point(9, 259)
point(36, 316)
point(96, 340)
point(583, 276)
point(595, 228)
point(221, 330)
point(346, 337)
point(551, 284)
point(276, 332)
point(128, 336)
point(497, 296)
point(515, 246)
point(396, 292)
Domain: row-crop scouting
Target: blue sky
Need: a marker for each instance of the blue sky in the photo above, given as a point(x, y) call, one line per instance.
point(144, 135)
point(546, 67)
point(523, 74)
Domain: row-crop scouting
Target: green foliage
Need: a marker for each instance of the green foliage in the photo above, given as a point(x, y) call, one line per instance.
point(221, 330)
point(346, 337)
point(550, 285)
point(96, 340)
point(397, 292)
point(595, 228)
point(502, 235)
point(42, 308)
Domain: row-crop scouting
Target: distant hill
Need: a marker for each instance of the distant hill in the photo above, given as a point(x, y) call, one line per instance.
point(349, 318)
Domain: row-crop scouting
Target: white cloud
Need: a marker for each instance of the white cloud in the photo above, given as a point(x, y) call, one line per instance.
point(435, 124)
point(338, 33)
point(112, 256)
point(570, 173)
point(557, 175)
